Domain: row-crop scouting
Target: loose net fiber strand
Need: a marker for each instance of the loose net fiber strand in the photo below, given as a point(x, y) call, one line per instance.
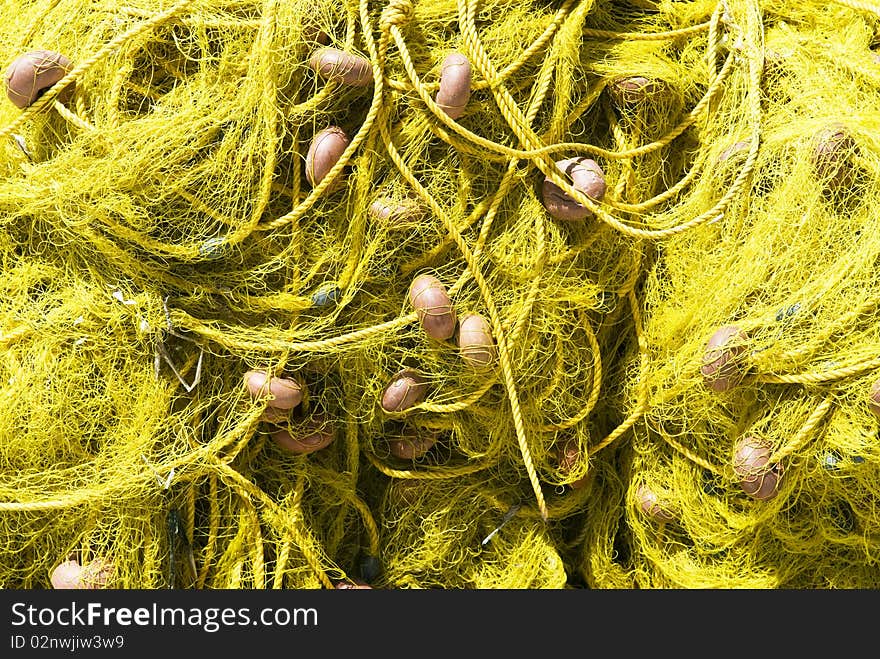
point(159, 238)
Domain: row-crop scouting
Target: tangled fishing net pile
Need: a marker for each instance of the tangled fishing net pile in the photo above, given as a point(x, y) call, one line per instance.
point(440, 294)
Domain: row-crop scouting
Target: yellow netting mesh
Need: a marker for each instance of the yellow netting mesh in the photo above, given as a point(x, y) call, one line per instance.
point(160, 238)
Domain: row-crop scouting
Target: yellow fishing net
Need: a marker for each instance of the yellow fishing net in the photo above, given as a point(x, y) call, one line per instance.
point(169, 225)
